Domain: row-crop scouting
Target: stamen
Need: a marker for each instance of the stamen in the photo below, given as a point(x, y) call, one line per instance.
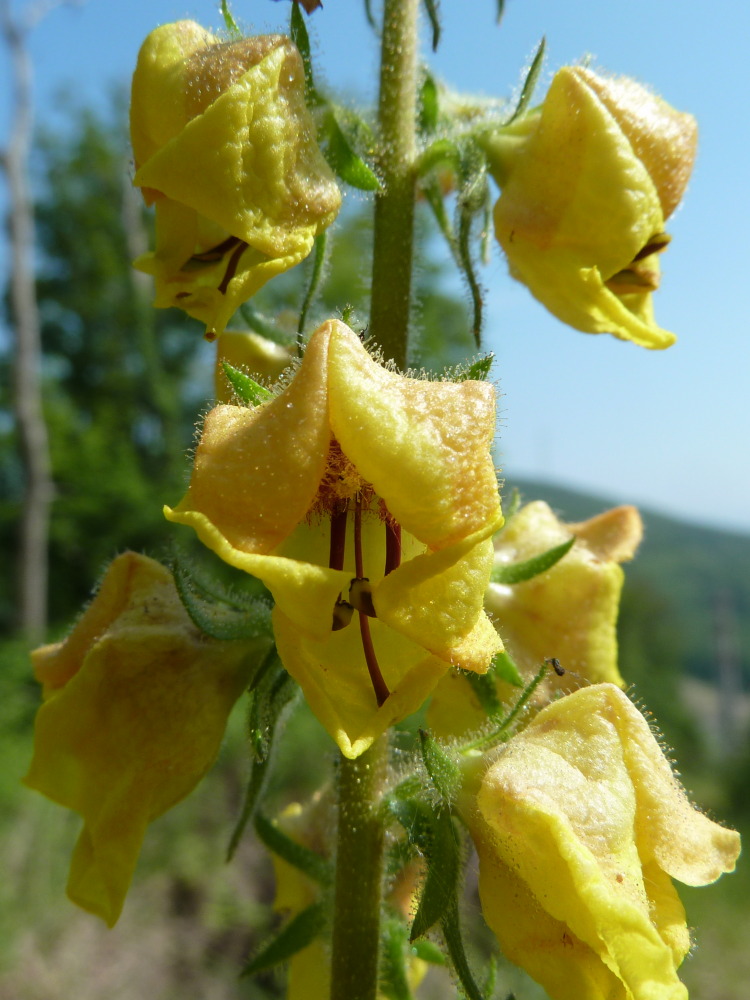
point(232, 266)
point(373, 667)
point(217, 252)
point(392, 546)
point(338, 538)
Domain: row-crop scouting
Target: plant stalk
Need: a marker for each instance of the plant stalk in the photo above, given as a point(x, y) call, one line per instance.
point(394, 205)
point(359, 862)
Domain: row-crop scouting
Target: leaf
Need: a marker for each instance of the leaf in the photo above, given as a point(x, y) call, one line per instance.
point(222, 617)
point(229, 21)
point(319, 260)
point(293, 937)
point(369, 15)
point(438, 153)
point(342, 159)
point(473, 195)
point(443, 770)
point(477, 371)
point(431, 6)
point(273, 691)
point(483, 686)
point(428, 104)
point(529, 84)
point(394, 983)
point(519, 572)
point(500, 10)
point(513, 504)
point(451, 927)
point(300, 37)
point(308, 862)
point(256, 784)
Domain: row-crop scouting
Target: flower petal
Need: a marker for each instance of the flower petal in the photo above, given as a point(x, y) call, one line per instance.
point(334, 678)
point(134, 729)
point(424, 446)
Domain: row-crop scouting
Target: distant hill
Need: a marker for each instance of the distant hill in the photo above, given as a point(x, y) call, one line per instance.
point(701, 574)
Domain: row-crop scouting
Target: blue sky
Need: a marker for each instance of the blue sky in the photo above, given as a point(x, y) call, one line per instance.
point(668, 430)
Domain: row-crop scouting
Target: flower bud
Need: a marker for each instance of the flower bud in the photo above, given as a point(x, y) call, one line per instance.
point(587, 183)
point(225, 149)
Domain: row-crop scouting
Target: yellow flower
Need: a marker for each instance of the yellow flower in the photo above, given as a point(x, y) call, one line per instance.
point(568, 612)
point(587, 184)
point(579, 824)
point(136, 702)
point(310, 492)
point(225, 148)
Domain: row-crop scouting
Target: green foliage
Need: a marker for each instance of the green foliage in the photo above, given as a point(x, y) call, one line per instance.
point(513, 573)
point(247, 390)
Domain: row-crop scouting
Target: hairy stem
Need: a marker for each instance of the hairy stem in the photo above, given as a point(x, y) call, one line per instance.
point(394, 205)
point(359, 858)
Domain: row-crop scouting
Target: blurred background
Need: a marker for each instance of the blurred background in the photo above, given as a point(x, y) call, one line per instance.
point(585, 422)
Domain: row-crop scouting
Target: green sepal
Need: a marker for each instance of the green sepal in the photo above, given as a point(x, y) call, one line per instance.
point(369, 15)
point(255, 786)
point(318, 269)
point(477, 371)
point(504, 669)
point(485, 690)
point(431, 6)
point(247, 390)
point(217, 612)
point(229, 21)
point(499, 11)
point(501, 733)
point(394, 944)
point(529, 84)
point(300, 37)
point(519, 572)
point(451, 927)
point(428, 951)
point(473, 196)
point(308, 862)
point(342, 159)
point(293, 937)
point(428, 105)
point(443, 770)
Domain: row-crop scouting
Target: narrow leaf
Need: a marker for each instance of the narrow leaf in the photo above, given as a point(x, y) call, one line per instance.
point(350, 167)
point(521, 571)
point(504, 669)
point(249, 392)
point(477, 371)
point(255, 786)
point(483, 686)
point(294, 936)
point(513, 504)
point(273, 692)
point(443, 855)
point(319, 260)
point(452, 933)
point(467, 266)
point(229, 21)
point(300, 37)
point(297, 855)
point(438, 153)
point(428, 105)
point(428, 951)
point(529, 84)
point(394, 982)
point(431, 6)
point(500, 10)
point(443, 770)
point(262, 325)
point(369, 15)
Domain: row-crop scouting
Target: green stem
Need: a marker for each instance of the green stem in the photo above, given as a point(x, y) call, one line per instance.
point(359, 862)
point(394, 205)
